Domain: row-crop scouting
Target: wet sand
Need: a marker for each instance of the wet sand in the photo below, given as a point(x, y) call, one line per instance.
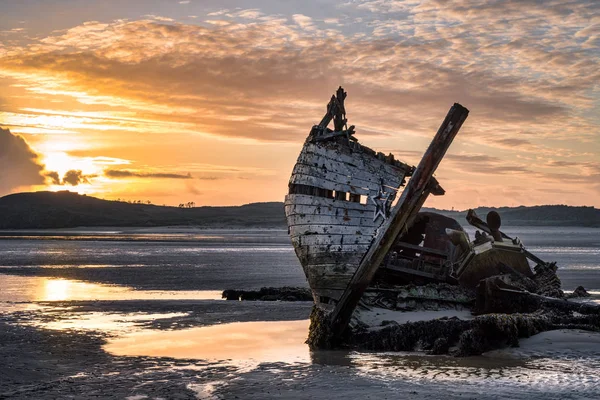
point(141, 319)
point(574, 343)
point(54, 352)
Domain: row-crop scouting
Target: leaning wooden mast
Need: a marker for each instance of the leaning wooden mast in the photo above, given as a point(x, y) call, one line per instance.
point(413, 197)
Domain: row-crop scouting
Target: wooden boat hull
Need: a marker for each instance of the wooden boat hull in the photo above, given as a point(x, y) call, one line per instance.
point(339, 206)
point(333, 210)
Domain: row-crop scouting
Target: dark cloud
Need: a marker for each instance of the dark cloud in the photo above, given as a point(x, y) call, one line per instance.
point(54, 177)
point(562, 164)
point(512, 142)
point(19, 164)
point(75, 177)
point(126, 173)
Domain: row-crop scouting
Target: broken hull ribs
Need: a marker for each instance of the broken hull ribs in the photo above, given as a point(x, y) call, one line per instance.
point(340, 196)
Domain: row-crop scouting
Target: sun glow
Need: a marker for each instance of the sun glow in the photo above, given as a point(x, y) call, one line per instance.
point(61, 162)
point(56, 290)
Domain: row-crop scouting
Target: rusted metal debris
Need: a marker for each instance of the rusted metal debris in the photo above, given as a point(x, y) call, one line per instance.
point(352, 237)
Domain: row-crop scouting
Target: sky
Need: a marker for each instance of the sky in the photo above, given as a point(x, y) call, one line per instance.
point(210, 101)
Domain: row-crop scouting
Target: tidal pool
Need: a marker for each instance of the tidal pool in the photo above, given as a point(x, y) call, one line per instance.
point(274, 341)
point(551, 360)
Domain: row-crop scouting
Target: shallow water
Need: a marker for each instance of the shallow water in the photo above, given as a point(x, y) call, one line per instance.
point(237, 342)
point(194, 259)
point(111, 323)
point(40, 289)
point(569, 359)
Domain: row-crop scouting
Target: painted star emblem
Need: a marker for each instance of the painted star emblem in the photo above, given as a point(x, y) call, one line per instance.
point(382, 202)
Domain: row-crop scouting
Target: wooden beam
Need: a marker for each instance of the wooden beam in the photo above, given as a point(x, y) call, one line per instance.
point(333, 134)
point(410, 271)
point(328, 114)
point(335, 111)
point(421, 249)
point(418, 188)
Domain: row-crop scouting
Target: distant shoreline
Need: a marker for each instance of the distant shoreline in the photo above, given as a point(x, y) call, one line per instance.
point(67, 210)
point(178, 229)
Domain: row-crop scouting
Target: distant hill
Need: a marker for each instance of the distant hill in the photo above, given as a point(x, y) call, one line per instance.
point(555, 215)
point(41, 210)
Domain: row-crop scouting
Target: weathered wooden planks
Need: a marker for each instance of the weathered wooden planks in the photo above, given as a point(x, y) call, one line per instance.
point(335, 281)
point(352, 158)
point(330, 250)
point(331, 211)
point(305, 200)
point(413, 197)
point(330, 229)
point(308, 180)
point(371, 171)
point(330, 240)
point(328, 178)
point(326, 220)
point(316, 229)
point(335, 213)
point(313, 257)
point(330, 135)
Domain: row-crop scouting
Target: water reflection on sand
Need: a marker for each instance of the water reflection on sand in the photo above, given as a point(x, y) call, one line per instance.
point(551, 359)
point(27, 289)
point(274, 341)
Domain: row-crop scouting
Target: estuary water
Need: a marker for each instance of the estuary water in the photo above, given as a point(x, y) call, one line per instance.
point(154, 295)
point(187, 259)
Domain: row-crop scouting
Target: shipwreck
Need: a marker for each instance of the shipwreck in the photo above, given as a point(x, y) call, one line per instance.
point(355, 221)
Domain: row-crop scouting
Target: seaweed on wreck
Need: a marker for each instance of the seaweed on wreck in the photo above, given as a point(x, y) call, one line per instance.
point(285, 293)
point(493, 331)
point(319, 332)
point(453, 335)
point(467, 338)
point(433, 335)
